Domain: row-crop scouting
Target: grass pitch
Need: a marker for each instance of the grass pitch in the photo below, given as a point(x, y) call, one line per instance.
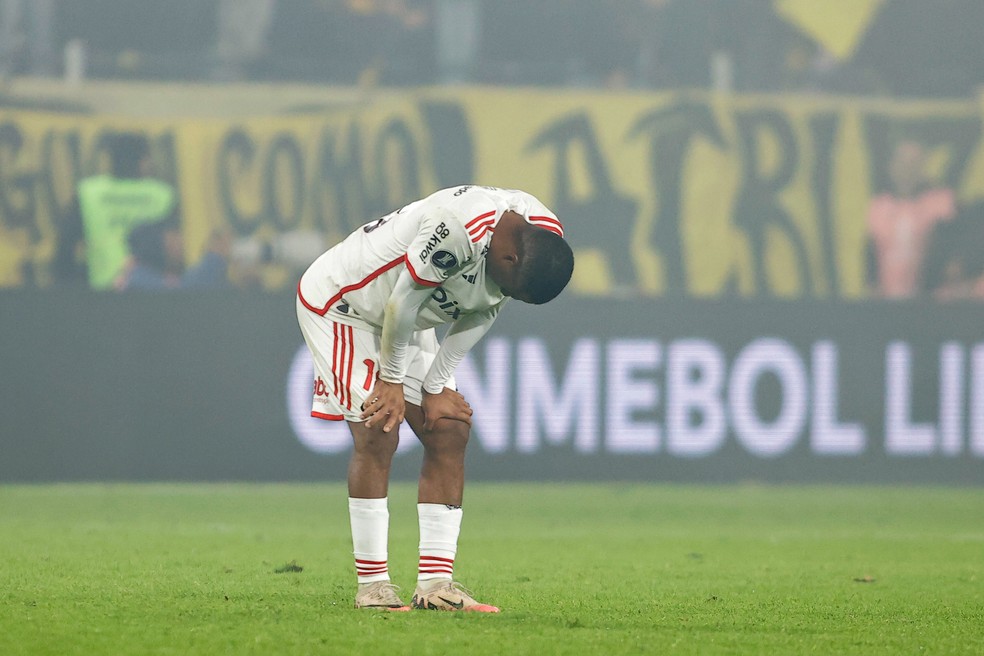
point(577, 569)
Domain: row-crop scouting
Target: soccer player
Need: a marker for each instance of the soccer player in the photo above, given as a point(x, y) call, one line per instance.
point(368, 308)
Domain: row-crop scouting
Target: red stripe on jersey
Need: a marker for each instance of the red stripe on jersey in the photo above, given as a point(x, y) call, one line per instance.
point(322, 415)
point(480, 231)
point(481, 225)
point(421, 281)
point(548, 223)
point(553, 229)
point(479, 218)
point(348, 288)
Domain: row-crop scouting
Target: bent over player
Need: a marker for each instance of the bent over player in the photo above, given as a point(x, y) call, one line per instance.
point(368, 308)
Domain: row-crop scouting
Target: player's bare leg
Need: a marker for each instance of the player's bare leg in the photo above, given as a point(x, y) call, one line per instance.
point(442, 474)
point(439, 495)
point(368, 485)
point(372, 456)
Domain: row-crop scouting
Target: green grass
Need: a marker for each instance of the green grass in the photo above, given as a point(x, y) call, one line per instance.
point(577, 569)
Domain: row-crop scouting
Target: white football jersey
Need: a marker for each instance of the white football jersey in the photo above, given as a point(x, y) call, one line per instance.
point(442, 240)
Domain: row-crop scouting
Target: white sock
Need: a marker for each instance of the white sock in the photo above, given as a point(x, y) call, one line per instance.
point(439, 529)
point(370, 532)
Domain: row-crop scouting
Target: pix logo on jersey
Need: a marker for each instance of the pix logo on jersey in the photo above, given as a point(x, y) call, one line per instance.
point(446, 303)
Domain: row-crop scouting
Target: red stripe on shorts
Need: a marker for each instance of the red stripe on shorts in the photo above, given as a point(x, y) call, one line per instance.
point(322, 415)
point(334, 358)
point(348, 370)
point(343, 359)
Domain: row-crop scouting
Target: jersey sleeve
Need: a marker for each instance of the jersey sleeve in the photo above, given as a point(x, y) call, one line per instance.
point(440, 248)
point(398, 322)
point(537, 214)
point(461, 337)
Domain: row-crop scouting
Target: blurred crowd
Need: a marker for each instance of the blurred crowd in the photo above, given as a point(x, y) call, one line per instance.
point(124, 230)
point(921, 240)
point(910, 48)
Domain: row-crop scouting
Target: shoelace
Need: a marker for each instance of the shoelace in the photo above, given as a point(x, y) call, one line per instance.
point(392, 587)
point(454, 585)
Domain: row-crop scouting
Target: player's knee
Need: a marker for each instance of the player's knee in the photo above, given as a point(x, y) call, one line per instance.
point(446, 437)
point(377, 444)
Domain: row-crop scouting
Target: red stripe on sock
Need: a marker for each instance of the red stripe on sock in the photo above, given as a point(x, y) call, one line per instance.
point(370, 567)
point(443, 560)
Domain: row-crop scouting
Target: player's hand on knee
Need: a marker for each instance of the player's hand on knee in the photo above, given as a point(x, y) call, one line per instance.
point(385, 404)
point(448, 404)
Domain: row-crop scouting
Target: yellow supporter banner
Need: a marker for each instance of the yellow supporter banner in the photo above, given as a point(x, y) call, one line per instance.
point(839, 25)
point(669, 194)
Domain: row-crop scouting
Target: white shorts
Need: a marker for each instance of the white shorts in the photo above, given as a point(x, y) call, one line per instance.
point(346, 364)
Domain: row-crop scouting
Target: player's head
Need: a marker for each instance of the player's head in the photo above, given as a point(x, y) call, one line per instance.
point(907, 167)
point(129, 155)
point(529, 263)
point(158, 245)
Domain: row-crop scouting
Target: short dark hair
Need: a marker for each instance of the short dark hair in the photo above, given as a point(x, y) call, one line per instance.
point(126, 151)
point(548, 263)
point(146, 243)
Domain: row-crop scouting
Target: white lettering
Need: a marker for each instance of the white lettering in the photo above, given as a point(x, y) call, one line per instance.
point(951, 398)
point(977, 402)
point(827, 435)
point(681, 398)
point(574, 408)
point(901, 436)
point(761, 356)
point(694, 377)
point(628, 394)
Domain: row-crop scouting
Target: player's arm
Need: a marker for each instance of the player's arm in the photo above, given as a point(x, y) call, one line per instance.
point(386, 401)
point(439, 401)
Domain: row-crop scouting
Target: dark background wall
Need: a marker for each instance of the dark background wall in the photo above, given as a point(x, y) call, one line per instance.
point(197, 387)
